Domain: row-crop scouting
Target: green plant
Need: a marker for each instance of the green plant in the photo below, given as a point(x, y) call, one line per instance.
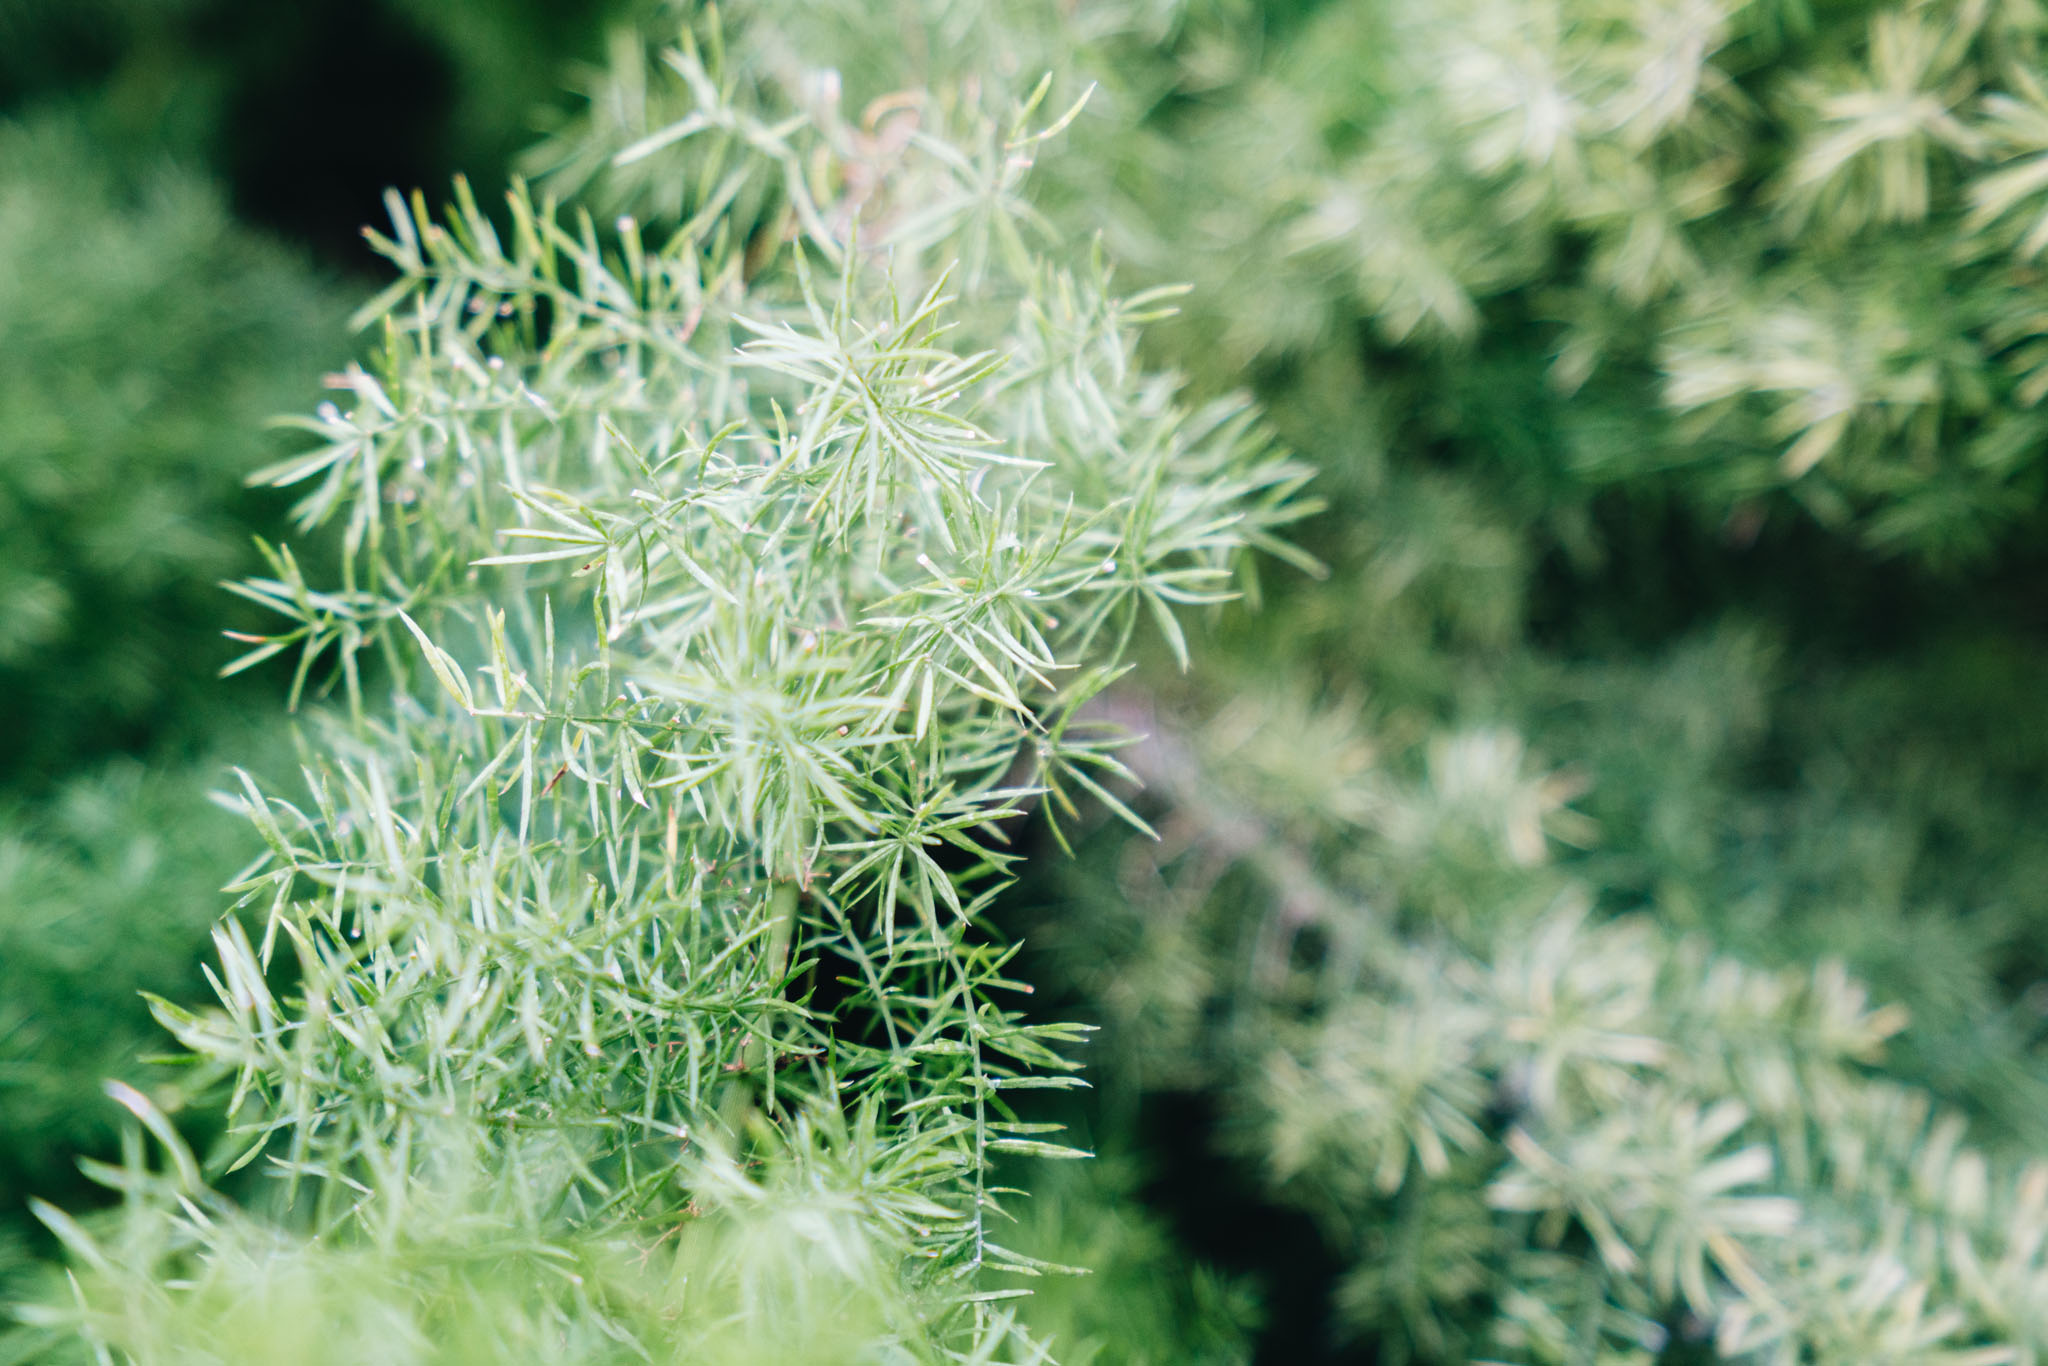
point(1574, 303)
point(1760, 256)
point(1531, 1133)
point(733, 586)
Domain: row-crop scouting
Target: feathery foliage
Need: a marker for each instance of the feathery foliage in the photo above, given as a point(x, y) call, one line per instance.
point(1636, 279)
point(732, 590)
point(745, 549)
point(1533, 1134)
point(1761, 256)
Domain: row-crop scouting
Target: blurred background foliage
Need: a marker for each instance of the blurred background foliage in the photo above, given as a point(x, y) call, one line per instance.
point(1670, 366)
point(148, 338)
point(1675, 369)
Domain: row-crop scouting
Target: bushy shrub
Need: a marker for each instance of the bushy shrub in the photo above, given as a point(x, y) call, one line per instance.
point(1528, 1131)
point(708, 602)
point(1671, 369)
point(1553, 534)
point(1760, 256)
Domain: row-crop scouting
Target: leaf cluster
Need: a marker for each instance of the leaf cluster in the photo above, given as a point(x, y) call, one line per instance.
point(706, 605)
point(1528, 1131)
point(1763, 258)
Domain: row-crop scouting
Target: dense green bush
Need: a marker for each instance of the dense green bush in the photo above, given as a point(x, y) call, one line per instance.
point(1501, 340)
point(1533, 1131)
point(1756, 255)
point(1603, 914)
point(1595, 633)
point(706, 604)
